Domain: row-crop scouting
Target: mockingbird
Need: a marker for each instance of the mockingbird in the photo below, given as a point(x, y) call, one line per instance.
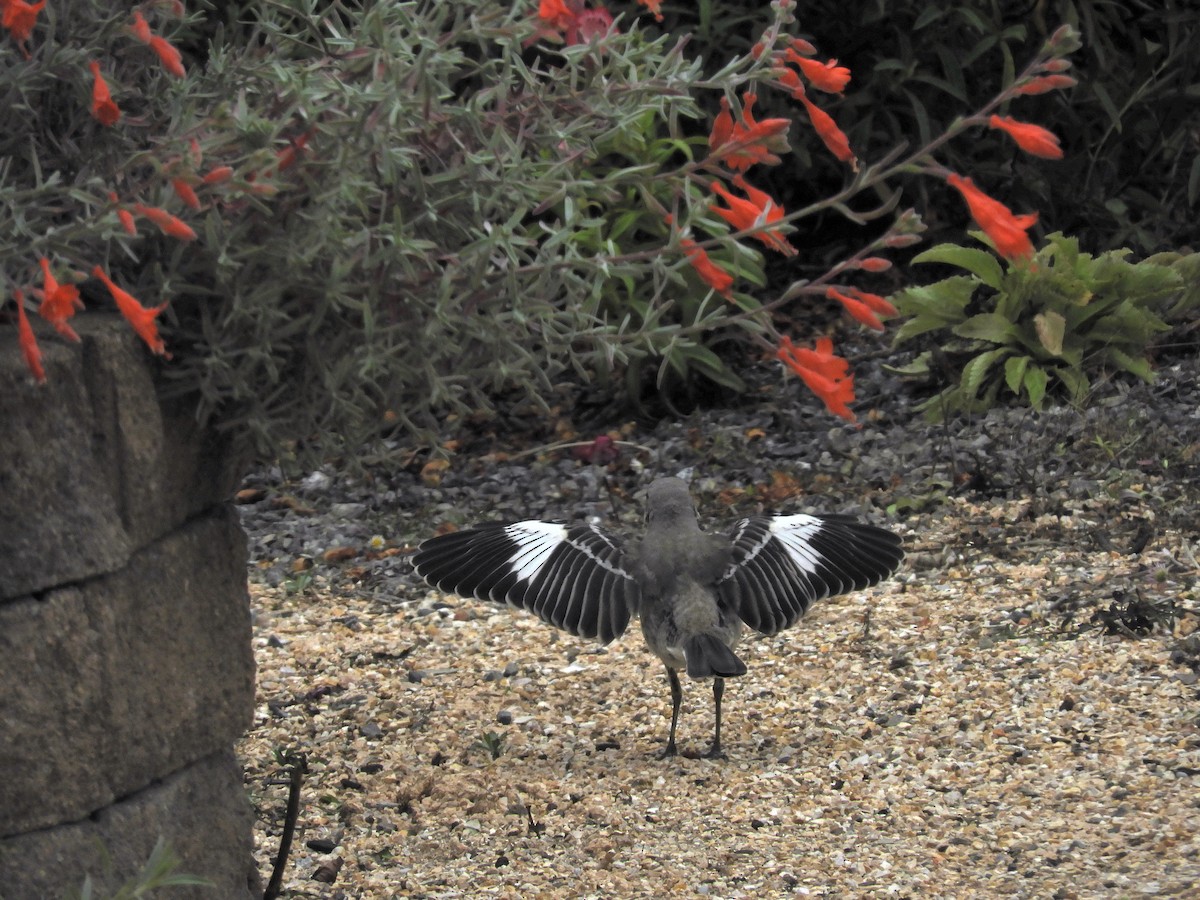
point(692, 590)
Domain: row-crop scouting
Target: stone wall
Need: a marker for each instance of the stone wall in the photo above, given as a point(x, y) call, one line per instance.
point(126, 670)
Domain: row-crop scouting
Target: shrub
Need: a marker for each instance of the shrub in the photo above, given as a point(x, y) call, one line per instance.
point(1131, 174)
point(356, 219)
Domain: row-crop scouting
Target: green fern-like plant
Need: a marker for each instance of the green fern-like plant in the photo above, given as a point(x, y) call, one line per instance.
point(1044, 327)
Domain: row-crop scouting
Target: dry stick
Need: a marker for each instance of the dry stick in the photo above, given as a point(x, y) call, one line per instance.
point(299, 764)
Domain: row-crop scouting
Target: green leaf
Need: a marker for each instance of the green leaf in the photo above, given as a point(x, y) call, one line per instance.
point(980, 263)
point(919, 366)
point(917, 326)
point(1035, 385)
point(1139, 367)
point(1076, 381)
point(1014, 372)
point(987, 327)
point(976, 371)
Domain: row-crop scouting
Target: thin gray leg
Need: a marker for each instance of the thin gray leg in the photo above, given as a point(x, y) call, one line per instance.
point(718, 693)
point(676, 700)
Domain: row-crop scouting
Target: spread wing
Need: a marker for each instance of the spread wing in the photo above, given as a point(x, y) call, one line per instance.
point(573, 577)
point(781, 564)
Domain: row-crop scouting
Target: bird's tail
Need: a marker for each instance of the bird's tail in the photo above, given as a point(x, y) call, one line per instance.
point(707, 655)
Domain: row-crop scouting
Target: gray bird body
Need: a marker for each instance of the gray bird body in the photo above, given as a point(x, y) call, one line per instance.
point(692, 590)
point(678, 567)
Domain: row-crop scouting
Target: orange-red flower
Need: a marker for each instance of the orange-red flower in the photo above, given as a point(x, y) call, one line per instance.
point(124, 215)
point(758, 213)
point(185, 193)
point(862, 306)
point(874, 264)
point(555, 13)
point(168, 223)
point(827, 130)
point(572, 21)
point(1033, 139)
point(824, 76)
point(712, 274)
point(1005, 230)
point(141, 28)
point(802, 47)
point(739, 145)
point(171, 59)
point(217, 175)
point(1044, 83)
point(59, 302)
point(104, 108)
point(140, 317)
point(655, 6)
point(826, 375)
point(19, 17)
point(25, 337)
point(286, 158)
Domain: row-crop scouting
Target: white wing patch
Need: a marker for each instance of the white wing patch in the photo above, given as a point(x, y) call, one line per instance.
point(795, 533)
point(535, 542)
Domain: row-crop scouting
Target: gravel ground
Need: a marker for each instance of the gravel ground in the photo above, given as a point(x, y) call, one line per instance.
point(1015, 713)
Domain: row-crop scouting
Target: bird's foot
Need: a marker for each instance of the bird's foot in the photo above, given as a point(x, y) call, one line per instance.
point(669, 751)
point(715, 752)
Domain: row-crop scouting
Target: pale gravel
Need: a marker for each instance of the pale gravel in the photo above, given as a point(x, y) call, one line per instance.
point(966, 729)
point(972, 736)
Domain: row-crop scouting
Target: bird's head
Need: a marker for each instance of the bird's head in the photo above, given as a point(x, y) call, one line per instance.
point(669, 500)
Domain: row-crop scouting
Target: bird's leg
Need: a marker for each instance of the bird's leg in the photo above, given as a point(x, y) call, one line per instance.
point(718, 691)
point(676, 700)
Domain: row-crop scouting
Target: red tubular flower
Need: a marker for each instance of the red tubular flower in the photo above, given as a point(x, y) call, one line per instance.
point(217, 175)
point(171, 59)
point(286, 158)
point(824, 76)
point(862, 306)
point(19, 17)
point(569, 20)
point(185, 193)
point(25, 337)
point(141, 28)
point(789, 80)
point(802, 47)
point(858, 310)
point(1006, 230)
point(124, 215)
point(827, 130)
point(739, 145)
point(826, 375)
point(104, 108)
point(655, 6)
point(759, 211)
point(712, 274)
point(874, 264)
point(140, 317)
point(59, 302)
point(555, 13)
point(1044, 83)
point(1033, 139)
point(168, 223)
point(877, 304)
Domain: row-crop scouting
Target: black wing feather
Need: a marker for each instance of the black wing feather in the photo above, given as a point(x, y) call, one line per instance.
point(573, 577)
point(781, 564)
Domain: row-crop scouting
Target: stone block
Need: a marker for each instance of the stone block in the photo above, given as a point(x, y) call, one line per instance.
point(96, 463)
point(201, 811)
point(118, 680)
